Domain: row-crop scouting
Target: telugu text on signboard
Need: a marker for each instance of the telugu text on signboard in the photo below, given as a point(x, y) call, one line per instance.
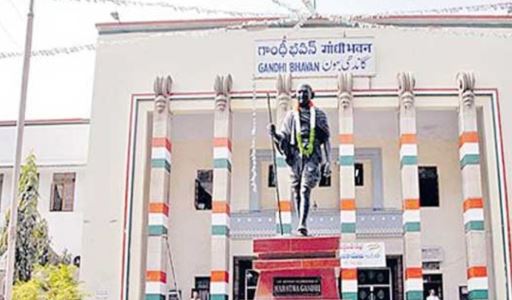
point(354, 255)
point(315, 56)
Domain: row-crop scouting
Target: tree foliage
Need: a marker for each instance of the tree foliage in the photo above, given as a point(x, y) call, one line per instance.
point(32, 240)
point(50, 282)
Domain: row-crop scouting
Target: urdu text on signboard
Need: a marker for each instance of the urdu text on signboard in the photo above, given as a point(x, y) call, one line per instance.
point(315, 57)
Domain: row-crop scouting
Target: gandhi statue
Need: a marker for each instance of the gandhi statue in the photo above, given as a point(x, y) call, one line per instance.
point(303, 134)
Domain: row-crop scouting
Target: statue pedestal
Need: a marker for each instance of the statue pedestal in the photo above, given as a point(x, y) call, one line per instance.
point(297, 268)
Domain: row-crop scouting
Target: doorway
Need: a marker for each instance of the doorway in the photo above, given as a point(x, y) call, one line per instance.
point(374, 284)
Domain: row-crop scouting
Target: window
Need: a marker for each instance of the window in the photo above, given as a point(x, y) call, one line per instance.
point(63, 192)
point(203, 189)
point(358, 174)
point(429, 186)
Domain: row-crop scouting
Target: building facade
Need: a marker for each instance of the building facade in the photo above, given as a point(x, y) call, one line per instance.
point(179, 177)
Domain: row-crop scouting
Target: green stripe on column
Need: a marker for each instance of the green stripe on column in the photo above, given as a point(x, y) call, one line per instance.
point(218, 297)
point(412, 227)
point(469, 159)
point(474, 226)
point(155, 230)
point(348, 227)
point(408, 160)
point(349, 296)
point(287, 228)
point(346, 160)
point(154, 297)
point(414, 295)
point(478, 295)
point(280, 162)
point(222, 163)
point(220, 230)
point(161, 163)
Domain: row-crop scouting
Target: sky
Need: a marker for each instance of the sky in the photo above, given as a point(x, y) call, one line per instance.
point(61, 86)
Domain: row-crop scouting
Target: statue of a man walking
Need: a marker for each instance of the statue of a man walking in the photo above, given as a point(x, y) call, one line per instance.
point(301, 138)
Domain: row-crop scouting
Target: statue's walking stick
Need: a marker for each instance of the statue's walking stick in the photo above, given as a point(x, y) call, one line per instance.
point(274, 169)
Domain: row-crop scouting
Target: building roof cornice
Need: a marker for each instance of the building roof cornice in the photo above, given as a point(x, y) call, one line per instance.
point(468, 21)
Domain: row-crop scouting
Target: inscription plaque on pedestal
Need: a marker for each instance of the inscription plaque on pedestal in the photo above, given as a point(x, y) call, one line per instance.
point(296, 286)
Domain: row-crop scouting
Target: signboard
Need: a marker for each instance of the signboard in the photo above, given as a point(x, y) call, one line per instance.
point(315, 57)
point(355, 255)
point(297, 286)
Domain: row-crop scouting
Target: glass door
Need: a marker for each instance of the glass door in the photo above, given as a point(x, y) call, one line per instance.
point(374, 284)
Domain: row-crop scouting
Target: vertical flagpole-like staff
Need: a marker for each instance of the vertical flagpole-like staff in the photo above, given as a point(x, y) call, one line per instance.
point(274, 169)
point(20, 124)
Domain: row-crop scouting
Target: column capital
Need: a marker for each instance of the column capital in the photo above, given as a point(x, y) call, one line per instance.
point(284, 90)
point(222, 87)
point(162, 89)
point(406, 84)
point(466, 86)
point(345, 83)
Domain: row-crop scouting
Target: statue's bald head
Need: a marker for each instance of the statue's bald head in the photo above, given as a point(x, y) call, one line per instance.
point(305, 94)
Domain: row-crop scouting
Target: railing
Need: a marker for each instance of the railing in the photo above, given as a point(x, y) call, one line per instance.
point(370, 223)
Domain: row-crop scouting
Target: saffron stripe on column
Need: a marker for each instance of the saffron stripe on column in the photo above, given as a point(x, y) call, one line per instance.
point(468, 137)
point(413, 272)
point(346, 138)
point(408, 138)
point(411, 204)
point(159, 207)
point(162, 142)
point(219, 206)
point(347, 204)
point(222, 142)
point(477, 271)
point(473, 203)
point(156, 276)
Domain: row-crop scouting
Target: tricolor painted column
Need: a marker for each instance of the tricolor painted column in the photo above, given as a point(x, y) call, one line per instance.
point(219, 280)
point(157, 259)
point(283, 87)
point(347, 182)
point(469, 156)
point(410, 189)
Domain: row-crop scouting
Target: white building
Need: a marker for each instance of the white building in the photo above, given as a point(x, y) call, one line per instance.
point(60, 147)
point(446, 126)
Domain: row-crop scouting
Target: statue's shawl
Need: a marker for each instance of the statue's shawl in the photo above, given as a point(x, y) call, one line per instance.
point(288, 143)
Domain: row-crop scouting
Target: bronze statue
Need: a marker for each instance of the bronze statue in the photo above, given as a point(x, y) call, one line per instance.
point(303, 134)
